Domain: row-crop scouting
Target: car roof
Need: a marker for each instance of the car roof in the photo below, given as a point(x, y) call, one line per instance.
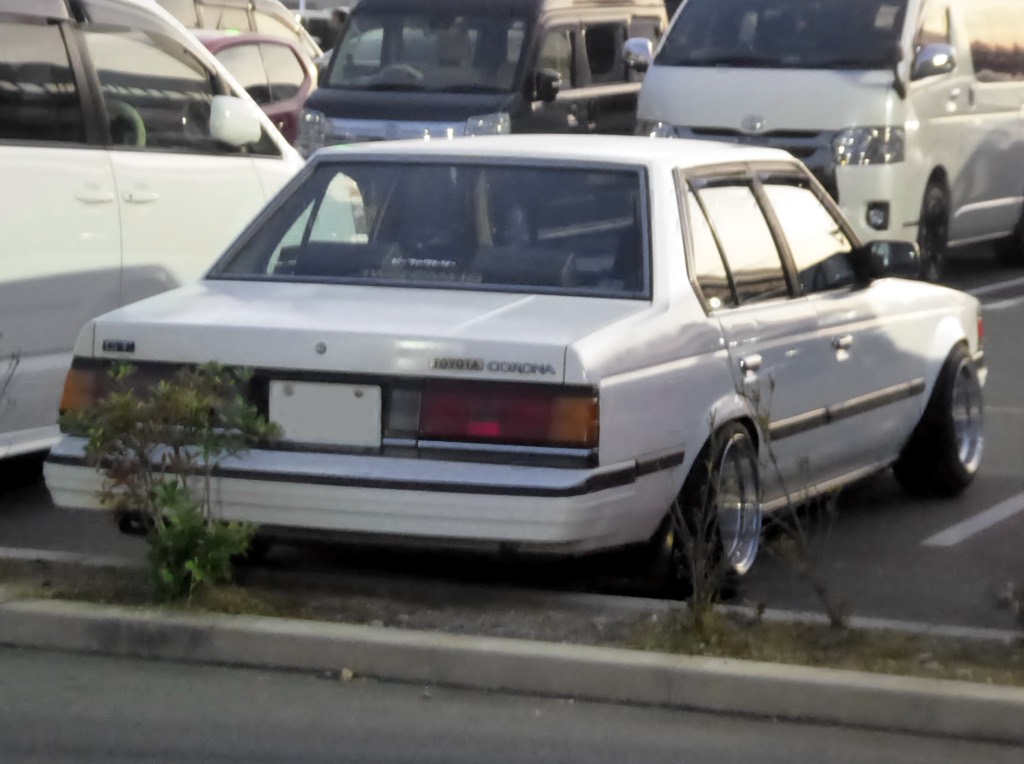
point(212, 38)
point(605, 149)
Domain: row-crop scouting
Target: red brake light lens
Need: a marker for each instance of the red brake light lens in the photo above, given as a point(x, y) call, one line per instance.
point(509, 414)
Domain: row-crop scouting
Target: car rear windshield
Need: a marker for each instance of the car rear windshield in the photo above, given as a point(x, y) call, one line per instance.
point(464, 226)
point(798, 34)
point(429, 51)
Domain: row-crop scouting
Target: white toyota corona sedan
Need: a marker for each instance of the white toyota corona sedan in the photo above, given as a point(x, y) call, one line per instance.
point(543, 343)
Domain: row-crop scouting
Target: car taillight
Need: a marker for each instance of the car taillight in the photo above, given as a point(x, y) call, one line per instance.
point(84, 386)
point(509, 414)
point(981, 331)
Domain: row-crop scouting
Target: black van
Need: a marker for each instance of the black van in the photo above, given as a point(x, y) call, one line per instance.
point(443, 68)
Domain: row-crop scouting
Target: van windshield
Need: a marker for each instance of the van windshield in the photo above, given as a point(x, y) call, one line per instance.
point(435, 52)
point(791, 34)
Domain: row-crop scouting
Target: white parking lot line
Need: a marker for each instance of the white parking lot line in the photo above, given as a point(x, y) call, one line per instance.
point(978, 523)
point(996, 287)
point(988, 307)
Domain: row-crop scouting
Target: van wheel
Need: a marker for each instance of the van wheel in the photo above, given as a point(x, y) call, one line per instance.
point(944, 452)
point(933, 231)
point(715, 520)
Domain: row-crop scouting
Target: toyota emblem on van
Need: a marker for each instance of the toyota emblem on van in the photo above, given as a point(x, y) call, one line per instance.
point(754, 124)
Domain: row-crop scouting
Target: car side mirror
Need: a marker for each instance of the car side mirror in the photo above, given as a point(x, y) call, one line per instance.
point(879, 259)
point(547, 83)
point(638, 53)
point(233, 121)
point(937, 58)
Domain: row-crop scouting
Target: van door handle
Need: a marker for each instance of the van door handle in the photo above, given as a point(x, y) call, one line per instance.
point(842, 343)
point(141, 197)
point(751, 363)
point(94, 196)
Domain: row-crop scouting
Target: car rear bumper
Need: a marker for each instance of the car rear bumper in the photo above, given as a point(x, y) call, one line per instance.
point(543, 510)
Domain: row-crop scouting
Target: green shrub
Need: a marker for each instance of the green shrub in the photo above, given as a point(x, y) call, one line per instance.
point(158, 448)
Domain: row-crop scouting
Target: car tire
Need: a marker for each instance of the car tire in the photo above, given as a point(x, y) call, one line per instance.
point(724, 480)
point(21, 471)
point(933, 231)
point(944, 451)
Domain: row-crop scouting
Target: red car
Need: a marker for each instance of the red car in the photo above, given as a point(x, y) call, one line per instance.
point(273, 70)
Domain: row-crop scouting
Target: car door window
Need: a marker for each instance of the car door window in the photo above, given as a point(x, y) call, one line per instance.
point(748, 245)
point(817, 243)
point(708, 267)
point(246, 65)
point(604, 43)
point(284, 71)
point(227, 18)
point(39, 99)
point(157, 95)
point(184, 11)
point(557, 52)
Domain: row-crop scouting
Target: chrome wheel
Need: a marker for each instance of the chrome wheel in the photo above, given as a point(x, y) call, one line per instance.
point(967, 412)
point(738, 505)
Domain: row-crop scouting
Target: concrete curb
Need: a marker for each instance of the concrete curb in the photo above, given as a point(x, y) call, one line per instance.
point(924, 706)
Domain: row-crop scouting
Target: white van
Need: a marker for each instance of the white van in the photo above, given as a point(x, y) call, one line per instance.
point(128, 160)
point(908, 111)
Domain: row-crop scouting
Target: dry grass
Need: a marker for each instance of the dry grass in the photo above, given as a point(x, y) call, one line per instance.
point(725, 635)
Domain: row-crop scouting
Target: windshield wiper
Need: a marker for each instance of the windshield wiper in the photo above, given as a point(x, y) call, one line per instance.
point(738, 61)
point(394, 86)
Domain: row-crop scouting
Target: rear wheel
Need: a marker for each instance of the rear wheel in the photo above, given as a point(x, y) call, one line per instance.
point(933, 231)
point(944, 452)
point(714, 531)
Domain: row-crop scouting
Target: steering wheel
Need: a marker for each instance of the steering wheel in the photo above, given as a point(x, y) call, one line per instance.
point(126, 125)
point(401, 73)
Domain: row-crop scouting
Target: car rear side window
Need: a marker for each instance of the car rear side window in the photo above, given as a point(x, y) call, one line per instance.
point(39, 99)
point(749, 247)
point(284, 71)
point(708, 267)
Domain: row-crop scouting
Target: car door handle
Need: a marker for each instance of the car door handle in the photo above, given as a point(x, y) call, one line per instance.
point(842, 343)
point(94, 196)
point(955, 93)
point(141, 197)
point(751, 363)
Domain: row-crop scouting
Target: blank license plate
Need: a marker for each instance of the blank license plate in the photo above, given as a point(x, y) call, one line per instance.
point(327, 414)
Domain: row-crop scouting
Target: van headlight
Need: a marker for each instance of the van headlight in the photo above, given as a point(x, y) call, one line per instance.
point(312, 132)
point(498, 123)
point(869, 145)
point(655, 128)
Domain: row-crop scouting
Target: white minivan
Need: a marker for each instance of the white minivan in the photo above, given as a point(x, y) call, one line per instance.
point(908, 111)
point(128, 160)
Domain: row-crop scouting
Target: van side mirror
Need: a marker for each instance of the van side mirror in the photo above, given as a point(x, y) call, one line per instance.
point(546, 85)
point(638, 53)
point(879, 259)
point(937, 58)
point(233, 121)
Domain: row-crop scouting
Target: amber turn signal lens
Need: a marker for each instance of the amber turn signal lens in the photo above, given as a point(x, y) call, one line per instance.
point(82, 389)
